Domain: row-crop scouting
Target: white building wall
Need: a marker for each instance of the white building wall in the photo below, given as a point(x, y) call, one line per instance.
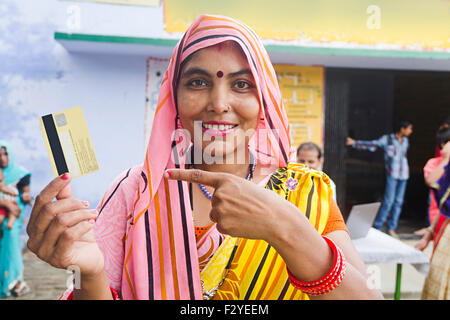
point(38, 76)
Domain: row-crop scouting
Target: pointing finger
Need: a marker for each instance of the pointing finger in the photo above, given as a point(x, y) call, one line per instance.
point(212, 179)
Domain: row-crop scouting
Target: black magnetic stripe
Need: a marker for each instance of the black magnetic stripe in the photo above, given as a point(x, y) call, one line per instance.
point(55, 144)
point(149, 258)
point(114, 191)
point(308, 206)
point(185, 231)
point(285, 288)
point(256, 276)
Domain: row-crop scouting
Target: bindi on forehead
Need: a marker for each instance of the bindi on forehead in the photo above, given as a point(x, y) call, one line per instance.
point(219, 74)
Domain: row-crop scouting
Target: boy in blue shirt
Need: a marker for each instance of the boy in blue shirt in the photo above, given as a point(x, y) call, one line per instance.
point(395, 147)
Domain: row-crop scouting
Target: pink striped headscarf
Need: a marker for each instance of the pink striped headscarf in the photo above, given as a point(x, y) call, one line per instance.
point(160, 258)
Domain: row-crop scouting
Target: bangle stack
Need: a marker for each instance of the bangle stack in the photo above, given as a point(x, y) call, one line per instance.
point(328, 282)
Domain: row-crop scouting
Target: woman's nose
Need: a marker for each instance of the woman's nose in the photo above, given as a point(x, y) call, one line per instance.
point(219, 100)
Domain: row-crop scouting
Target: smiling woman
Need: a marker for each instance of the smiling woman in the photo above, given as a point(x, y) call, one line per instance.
point(173, 228)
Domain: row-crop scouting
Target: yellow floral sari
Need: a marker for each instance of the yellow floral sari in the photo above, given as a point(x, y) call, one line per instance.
point(245, 269)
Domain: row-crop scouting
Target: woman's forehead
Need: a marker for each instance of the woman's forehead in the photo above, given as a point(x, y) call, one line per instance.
point(227, 53)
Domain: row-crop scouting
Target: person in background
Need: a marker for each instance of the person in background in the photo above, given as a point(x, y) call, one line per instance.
point(433, 171)
point(310, 154)
point(11, 262)
point(437, 282)
point(431, 164)
point(444, 124)
point(395, 147)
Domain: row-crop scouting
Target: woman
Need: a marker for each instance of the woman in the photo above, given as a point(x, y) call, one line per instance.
point(195, 221)
point(11, 263)
point(437, 283)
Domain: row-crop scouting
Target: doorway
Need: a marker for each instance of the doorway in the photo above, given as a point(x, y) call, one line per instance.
point(363, 104)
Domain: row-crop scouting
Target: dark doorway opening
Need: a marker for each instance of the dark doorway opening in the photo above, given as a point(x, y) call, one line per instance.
point(363, 104)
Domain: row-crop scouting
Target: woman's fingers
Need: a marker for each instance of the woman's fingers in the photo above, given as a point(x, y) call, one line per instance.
point(51, 191)
point(213, 179)
point(63, 222)
point(66, 242)
point(49, 211)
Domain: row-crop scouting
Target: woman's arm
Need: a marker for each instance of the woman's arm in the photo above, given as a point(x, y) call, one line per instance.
point(369, 145)
point(243, 209)
point(26, 195)
point(439, 171)
point(428, 236)
point(24, 187)
point(10, 207)
point(93, 287)
point(308, 257)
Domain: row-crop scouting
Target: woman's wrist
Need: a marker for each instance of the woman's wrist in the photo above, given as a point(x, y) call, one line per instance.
point(93, 286)
point(303, 250)
point(430, 231)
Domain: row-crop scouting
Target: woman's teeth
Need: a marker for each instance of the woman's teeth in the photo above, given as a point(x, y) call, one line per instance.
point(218, 127)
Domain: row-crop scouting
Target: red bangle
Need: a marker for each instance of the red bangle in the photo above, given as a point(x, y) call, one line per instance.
point(328, 282)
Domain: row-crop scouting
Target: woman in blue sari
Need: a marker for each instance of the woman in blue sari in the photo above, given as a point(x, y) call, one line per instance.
point(11, 263)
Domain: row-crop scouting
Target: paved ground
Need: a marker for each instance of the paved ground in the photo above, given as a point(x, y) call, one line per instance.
point(47, 283)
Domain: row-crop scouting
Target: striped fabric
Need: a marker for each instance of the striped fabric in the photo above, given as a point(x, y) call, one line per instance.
point(255, 270)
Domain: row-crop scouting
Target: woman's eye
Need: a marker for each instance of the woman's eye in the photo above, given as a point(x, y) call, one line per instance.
point(198, 83)
point(242, 85)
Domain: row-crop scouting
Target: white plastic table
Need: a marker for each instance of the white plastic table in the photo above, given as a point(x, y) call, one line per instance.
point(378, 247)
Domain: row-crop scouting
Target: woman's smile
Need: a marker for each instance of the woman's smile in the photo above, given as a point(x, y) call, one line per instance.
point(218, 128)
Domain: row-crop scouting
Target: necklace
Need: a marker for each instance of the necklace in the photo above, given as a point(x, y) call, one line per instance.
point(251, 169)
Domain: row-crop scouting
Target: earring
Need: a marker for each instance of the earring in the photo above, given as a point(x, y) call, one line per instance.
point(178, 124)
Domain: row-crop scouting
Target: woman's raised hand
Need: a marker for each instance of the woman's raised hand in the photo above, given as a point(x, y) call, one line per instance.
point(61, 232)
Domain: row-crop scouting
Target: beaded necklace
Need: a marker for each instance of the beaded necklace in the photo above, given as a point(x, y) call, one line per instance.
point(251, 169)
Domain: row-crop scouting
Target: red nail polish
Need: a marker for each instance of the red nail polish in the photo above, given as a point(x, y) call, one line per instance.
point(169, 173)
point(65, 176)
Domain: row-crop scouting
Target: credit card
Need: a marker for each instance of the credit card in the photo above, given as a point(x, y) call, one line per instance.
point(68, 142)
